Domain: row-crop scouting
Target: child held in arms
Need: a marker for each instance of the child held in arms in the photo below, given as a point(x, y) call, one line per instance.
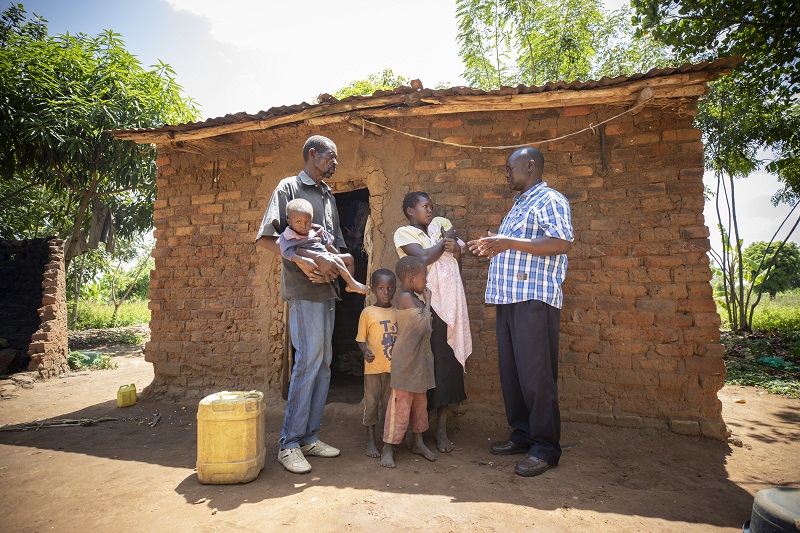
point(377, 330)
point(412, 363)
point(305, 239)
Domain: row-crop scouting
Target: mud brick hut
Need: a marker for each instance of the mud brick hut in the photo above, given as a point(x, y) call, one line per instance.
point(640, 338)
point(33, 307)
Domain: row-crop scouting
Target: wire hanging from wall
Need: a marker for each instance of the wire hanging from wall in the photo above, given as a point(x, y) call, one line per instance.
point(645, 96)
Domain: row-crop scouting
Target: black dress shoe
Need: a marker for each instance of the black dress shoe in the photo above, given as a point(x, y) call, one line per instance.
point(532, 466)
point(506, 448)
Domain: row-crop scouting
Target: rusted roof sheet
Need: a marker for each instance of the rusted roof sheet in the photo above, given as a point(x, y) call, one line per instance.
point(415, 96)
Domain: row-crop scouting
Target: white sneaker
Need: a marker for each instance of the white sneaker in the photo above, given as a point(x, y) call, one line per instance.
point(320, 449)
point(292, 460)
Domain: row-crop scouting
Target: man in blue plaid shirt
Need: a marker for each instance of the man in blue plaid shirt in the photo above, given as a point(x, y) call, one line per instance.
point(528, 264)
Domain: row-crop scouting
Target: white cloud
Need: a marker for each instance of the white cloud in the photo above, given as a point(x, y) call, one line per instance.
point(337, 42)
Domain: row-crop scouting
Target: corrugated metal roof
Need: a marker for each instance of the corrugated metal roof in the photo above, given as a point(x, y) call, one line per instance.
point(721, 64)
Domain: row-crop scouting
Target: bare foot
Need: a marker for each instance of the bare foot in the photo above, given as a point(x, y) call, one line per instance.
point(372, 450)
point(443, 443)
point(387, 455)
point(357, 287)
point(420, 448)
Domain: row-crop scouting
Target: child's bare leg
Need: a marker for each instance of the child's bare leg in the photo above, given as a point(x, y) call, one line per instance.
point(420, 448)
point(442, 442)
point(372, 450)
point(387, 455)
point(409, 439)
point(352, 284)
point(349, 263)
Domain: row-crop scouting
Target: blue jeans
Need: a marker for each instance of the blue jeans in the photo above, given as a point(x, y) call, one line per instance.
point(311, 328)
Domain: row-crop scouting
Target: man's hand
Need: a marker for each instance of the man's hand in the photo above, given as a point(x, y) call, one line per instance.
point(326, 269)
point(489, 246)
point(494, 244)
point(309, 268)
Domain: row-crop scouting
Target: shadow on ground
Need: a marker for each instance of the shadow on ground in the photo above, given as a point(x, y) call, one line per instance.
point(641, 472)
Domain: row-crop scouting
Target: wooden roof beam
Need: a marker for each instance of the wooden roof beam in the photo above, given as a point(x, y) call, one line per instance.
point(673, 86)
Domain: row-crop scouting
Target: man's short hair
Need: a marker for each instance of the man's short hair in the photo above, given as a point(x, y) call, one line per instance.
point(318, 143)
point(299, 205)
point(409, 266)
point(382, 273)
point(533, 154)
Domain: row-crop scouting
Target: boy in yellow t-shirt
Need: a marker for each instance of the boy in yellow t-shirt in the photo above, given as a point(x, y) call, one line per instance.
point(377, 330)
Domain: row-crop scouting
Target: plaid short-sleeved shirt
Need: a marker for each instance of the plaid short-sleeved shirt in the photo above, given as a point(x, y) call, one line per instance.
point(516, 276)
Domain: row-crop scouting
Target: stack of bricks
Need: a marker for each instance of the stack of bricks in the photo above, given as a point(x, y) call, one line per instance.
point(33, 311)
point(639, 334)
point(49, 345)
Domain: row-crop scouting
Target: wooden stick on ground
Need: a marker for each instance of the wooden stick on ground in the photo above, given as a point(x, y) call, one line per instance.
point(56, 423)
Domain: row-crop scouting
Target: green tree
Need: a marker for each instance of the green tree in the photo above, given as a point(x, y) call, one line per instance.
point(59, 97)
point(622, 51)
point(740, 120)
point(385, 81)
point(508, 42)
point(121, 281)
point(765, 33)
point(783, 266)
point(754, 111)
point(113, 277)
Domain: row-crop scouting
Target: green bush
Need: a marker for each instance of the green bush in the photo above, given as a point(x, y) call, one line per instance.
point(97, 315)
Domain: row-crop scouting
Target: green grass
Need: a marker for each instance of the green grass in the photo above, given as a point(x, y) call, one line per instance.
point(782, 313)
point(769, 357)
point(97, 315)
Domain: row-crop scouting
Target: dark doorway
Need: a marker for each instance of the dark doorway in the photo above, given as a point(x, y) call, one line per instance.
point(347, 367)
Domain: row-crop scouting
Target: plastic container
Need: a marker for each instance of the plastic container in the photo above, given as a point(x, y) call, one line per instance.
point(775, 510)
point(126, 395)
point(230, 437)
point(91, 357)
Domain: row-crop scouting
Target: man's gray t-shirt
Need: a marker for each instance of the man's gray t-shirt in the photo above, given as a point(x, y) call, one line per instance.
point(295, 285)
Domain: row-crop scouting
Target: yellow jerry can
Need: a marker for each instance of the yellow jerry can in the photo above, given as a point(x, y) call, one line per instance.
point(230, 437)
point(126, 395)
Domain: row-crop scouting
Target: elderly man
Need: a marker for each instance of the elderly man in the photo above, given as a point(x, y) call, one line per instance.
point(310, 287)
point(528, 265)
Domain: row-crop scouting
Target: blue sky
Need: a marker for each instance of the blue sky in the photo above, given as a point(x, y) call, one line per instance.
point(250, 55)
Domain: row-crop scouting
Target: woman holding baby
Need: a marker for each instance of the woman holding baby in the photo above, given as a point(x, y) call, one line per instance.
point(433, 240)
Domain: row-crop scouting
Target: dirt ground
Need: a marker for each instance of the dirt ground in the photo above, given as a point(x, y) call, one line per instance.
point(127, 476)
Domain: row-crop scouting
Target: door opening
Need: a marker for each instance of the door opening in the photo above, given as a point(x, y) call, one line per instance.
point(347, 366)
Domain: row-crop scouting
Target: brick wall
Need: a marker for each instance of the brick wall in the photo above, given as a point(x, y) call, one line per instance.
point(33, 308)
point(640, 334)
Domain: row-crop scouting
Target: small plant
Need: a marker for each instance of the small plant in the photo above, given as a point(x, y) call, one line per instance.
point(103, 363)
point(76, 360)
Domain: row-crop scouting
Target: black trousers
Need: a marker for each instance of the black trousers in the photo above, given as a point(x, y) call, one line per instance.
point(527, 342)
